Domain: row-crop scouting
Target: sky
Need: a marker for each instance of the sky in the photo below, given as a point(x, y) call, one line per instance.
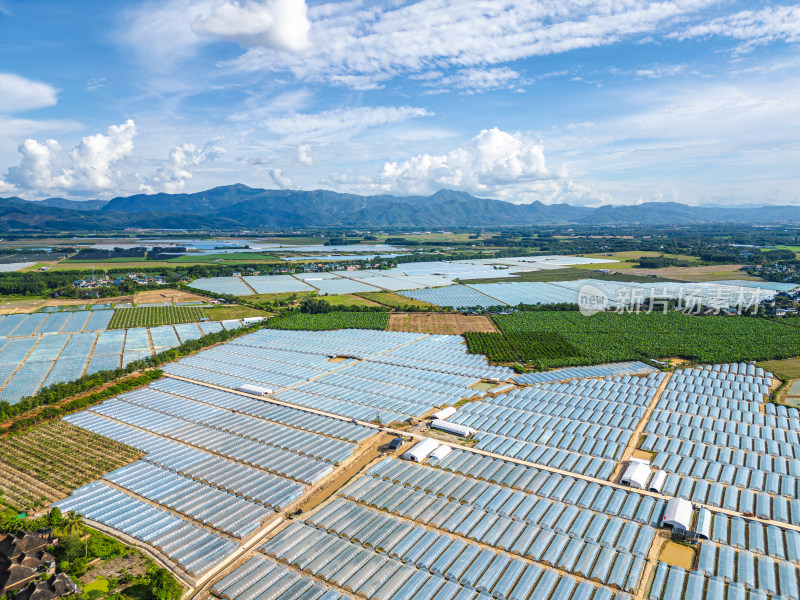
point(585, 102)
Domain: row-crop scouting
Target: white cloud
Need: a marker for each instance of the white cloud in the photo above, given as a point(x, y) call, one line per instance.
point(304, 155)
point(316, 125)
point(754, 27)
point(494, 163)
point(88, 167)
point(365, 46)
point(280, 179)
point(473, 81)
point(280, 24)
point(7, 188)
point(19, 94)
point(171, 177)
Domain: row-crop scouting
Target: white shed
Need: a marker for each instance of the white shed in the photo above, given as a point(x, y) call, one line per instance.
point(657, 482)
point(441, 452)
point(703, 529)
point(454, 428)
point(636, 475)
point(445, 413)
point(256, 390)
point(678, 514)
point(421, 451)
point(251, 320)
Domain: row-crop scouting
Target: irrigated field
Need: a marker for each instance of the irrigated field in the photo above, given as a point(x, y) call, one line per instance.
point(152, 316)
point(440, 323)
point(51, 460)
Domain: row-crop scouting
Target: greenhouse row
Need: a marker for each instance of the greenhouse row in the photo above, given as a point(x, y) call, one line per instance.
point(590, 432)
point(608, 370)
point(23, 325)
point(208, 505)
point(192, 548)
point(289, 438)
point(253, 484)
point(383, 575)
point(528, 529)
point(675, 582)
point(265, 579)
point(546, 496)
point(44, 359)
point(726, 432)
point(435, 551)
point(754, 571)
point(756, 537)
point(272, 412)
point(541, 454)
point(270, 458)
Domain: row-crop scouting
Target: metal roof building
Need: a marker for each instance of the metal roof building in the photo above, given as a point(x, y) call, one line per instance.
point(421, 451)
point(678, 514)
point(636, 475)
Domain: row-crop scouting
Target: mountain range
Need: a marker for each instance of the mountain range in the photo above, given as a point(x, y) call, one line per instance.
point(238, 206)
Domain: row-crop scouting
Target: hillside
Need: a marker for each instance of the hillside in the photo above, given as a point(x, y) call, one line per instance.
point(237, 206)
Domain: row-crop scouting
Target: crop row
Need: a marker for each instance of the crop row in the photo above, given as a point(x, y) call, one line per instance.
point(332, 320)
point(610, 337)
point(152, 316)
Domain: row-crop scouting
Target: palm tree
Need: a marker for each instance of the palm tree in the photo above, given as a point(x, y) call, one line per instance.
point(73, 523)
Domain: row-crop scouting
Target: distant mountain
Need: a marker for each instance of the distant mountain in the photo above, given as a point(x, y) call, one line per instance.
point(74, 204)
point(239, 206)
point(20, 214)
point(324, 208)
point(657, 213)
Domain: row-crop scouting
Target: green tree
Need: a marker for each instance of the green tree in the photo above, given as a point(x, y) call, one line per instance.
point(163, 586)
point(73, 523)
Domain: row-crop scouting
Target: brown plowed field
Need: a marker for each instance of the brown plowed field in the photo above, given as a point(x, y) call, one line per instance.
point(439, 323)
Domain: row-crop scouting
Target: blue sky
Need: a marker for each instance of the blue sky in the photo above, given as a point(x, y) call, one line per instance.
point(579, 101)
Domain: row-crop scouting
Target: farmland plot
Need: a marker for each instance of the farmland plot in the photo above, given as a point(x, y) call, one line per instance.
point(152, 316)
point(51, 460)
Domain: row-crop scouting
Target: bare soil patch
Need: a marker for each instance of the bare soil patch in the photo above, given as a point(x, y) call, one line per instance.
point(167, 295)
point(704, 273)
point(371, 449)
point(443, 323)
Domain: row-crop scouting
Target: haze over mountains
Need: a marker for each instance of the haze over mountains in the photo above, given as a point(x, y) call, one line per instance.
point(237, 206)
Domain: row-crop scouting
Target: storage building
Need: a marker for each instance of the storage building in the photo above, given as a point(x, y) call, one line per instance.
point(421, 451)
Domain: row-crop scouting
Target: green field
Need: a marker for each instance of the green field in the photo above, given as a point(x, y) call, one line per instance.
point(610, 337)
point(152, 316)
point(395, 300)
point(332, 320)
point(529, 346)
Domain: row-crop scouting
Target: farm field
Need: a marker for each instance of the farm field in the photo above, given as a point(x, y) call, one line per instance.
point(333, 320)
point(200, 259)
point(521, 347)
point(151, 316)
point(610, 337)
point(51, 460)
point(394, 300)
point(223, 313)
point(439, 323)
point(349, 300)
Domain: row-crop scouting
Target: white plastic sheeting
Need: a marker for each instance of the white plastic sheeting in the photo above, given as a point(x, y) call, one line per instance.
point(678, 514)
point(636, 475)
point(657, 482)
point(256, 390)
point(445, 413)
point(441, 452)
point(454, 428)
point(421, 451)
